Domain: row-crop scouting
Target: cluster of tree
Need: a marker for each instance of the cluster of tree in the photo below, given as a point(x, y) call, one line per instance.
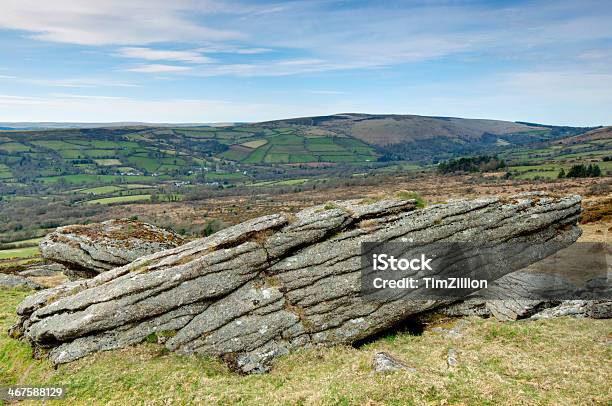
point(430, 149)
point(581, 171)
point(560, 131)
point(607, 158)
point(482, 163)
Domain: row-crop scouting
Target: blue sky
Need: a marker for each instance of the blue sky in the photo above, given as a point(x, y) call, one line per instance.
point(219, 61)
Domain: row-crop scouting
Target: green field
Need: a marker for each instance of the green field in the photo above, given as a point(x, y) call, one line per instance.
point(23, 243)
point(13, 147)
point(103, 156)
point(93, 179)
point(101, 190)
point(120, 199)
point(292, 147)
point(28, 252)
point(288, 182)
point(100, 161)
point(108, 162)
point(5, 172)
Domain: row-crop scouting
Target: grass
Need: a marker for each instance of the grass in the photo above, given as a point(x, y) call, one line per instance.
point(258, 155)
point(83, 179)
point(101, 190)
point(538, 174)
point(559, 361)
point(144, 162)
point(255, 143)
point(23, 243)
point(108, 162)
point(14, 147)
point(408, 195)
point(295, 147)
point(27, 252)
point(288, 182)
point(120, 199)
point(136, 186)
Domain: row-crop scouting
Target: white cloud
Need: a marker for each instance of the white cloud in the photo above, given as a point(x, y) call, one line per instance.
point(363, 35)
point(278, 68)
point(233, 49)
point(114, 21)
point(159, 68)
point(160, 55)
point(251, 51)
point(66, 108)
point(77, 82)
point(7, 77)
point(86, 96)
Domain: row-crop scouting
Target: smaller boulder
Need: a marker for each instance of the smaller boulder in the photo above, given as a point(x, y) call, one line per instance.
point(43, 270)
point(87, 250)
point(451, 358)
point(384, 362)
point(14, 281)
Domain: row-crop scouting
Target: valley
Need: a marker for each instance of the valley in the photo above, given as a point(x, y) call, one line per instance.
point(197, 180)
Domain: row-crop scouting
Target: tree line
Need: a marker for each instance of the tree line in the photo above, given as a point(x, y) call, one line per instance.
point(581, 171)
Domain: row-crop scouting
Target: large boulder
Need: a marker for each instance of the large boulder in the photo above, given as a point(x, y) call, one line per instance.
point(267, 286)
point(87, 250)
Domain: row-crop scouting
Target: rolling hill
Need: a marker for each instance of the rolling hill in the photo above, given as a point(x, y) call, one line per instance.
point(421, 138)
point(145, 154)
point(384, 130)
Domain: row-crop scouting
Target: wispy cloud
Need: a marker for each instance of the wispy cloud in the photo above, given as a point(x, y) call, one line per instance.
point(233, 49)
point(115, 21)
point(101, 109)
point(86, 96)
point(159, 68)
point(533, 60)
point(76, 82)
point(163, 55)
point(333, 36)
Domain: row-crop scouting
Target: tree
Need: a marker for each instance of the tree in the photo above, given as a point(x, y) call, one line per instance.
point(582, 171)
point(561, 174)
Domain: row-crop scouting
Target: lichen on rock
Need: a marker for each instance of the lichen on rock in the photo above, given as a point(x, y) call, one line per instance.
point(87, 250)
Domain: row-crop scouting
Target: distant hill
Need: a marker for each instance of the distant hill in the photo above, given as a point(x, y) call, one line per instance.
point(206, 154)
point(422, 138)
point(7, 126)
point(384, 130)
point(602, 133)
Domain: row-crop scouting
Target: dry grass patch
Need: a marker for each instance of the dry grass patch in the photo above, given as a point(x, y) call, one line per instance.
point(561, 361)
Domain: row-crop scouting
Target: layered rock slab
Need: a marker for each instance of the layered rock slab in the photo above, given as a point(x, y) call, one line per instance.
point(87, 250)
point(270, 285)
point(574, 282)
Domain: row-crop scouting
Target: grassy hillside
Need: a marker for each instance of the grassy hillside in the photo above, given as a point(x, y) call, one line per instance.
point(560, 361)
point(150, 155)
point(133, 154)
point(58, 176)
point(394, 129)
point(425, 139)
point(546, 159)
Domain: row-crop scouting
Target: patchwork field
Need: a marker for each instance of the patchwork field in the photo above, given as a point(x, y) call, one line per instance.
point(292, 147)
